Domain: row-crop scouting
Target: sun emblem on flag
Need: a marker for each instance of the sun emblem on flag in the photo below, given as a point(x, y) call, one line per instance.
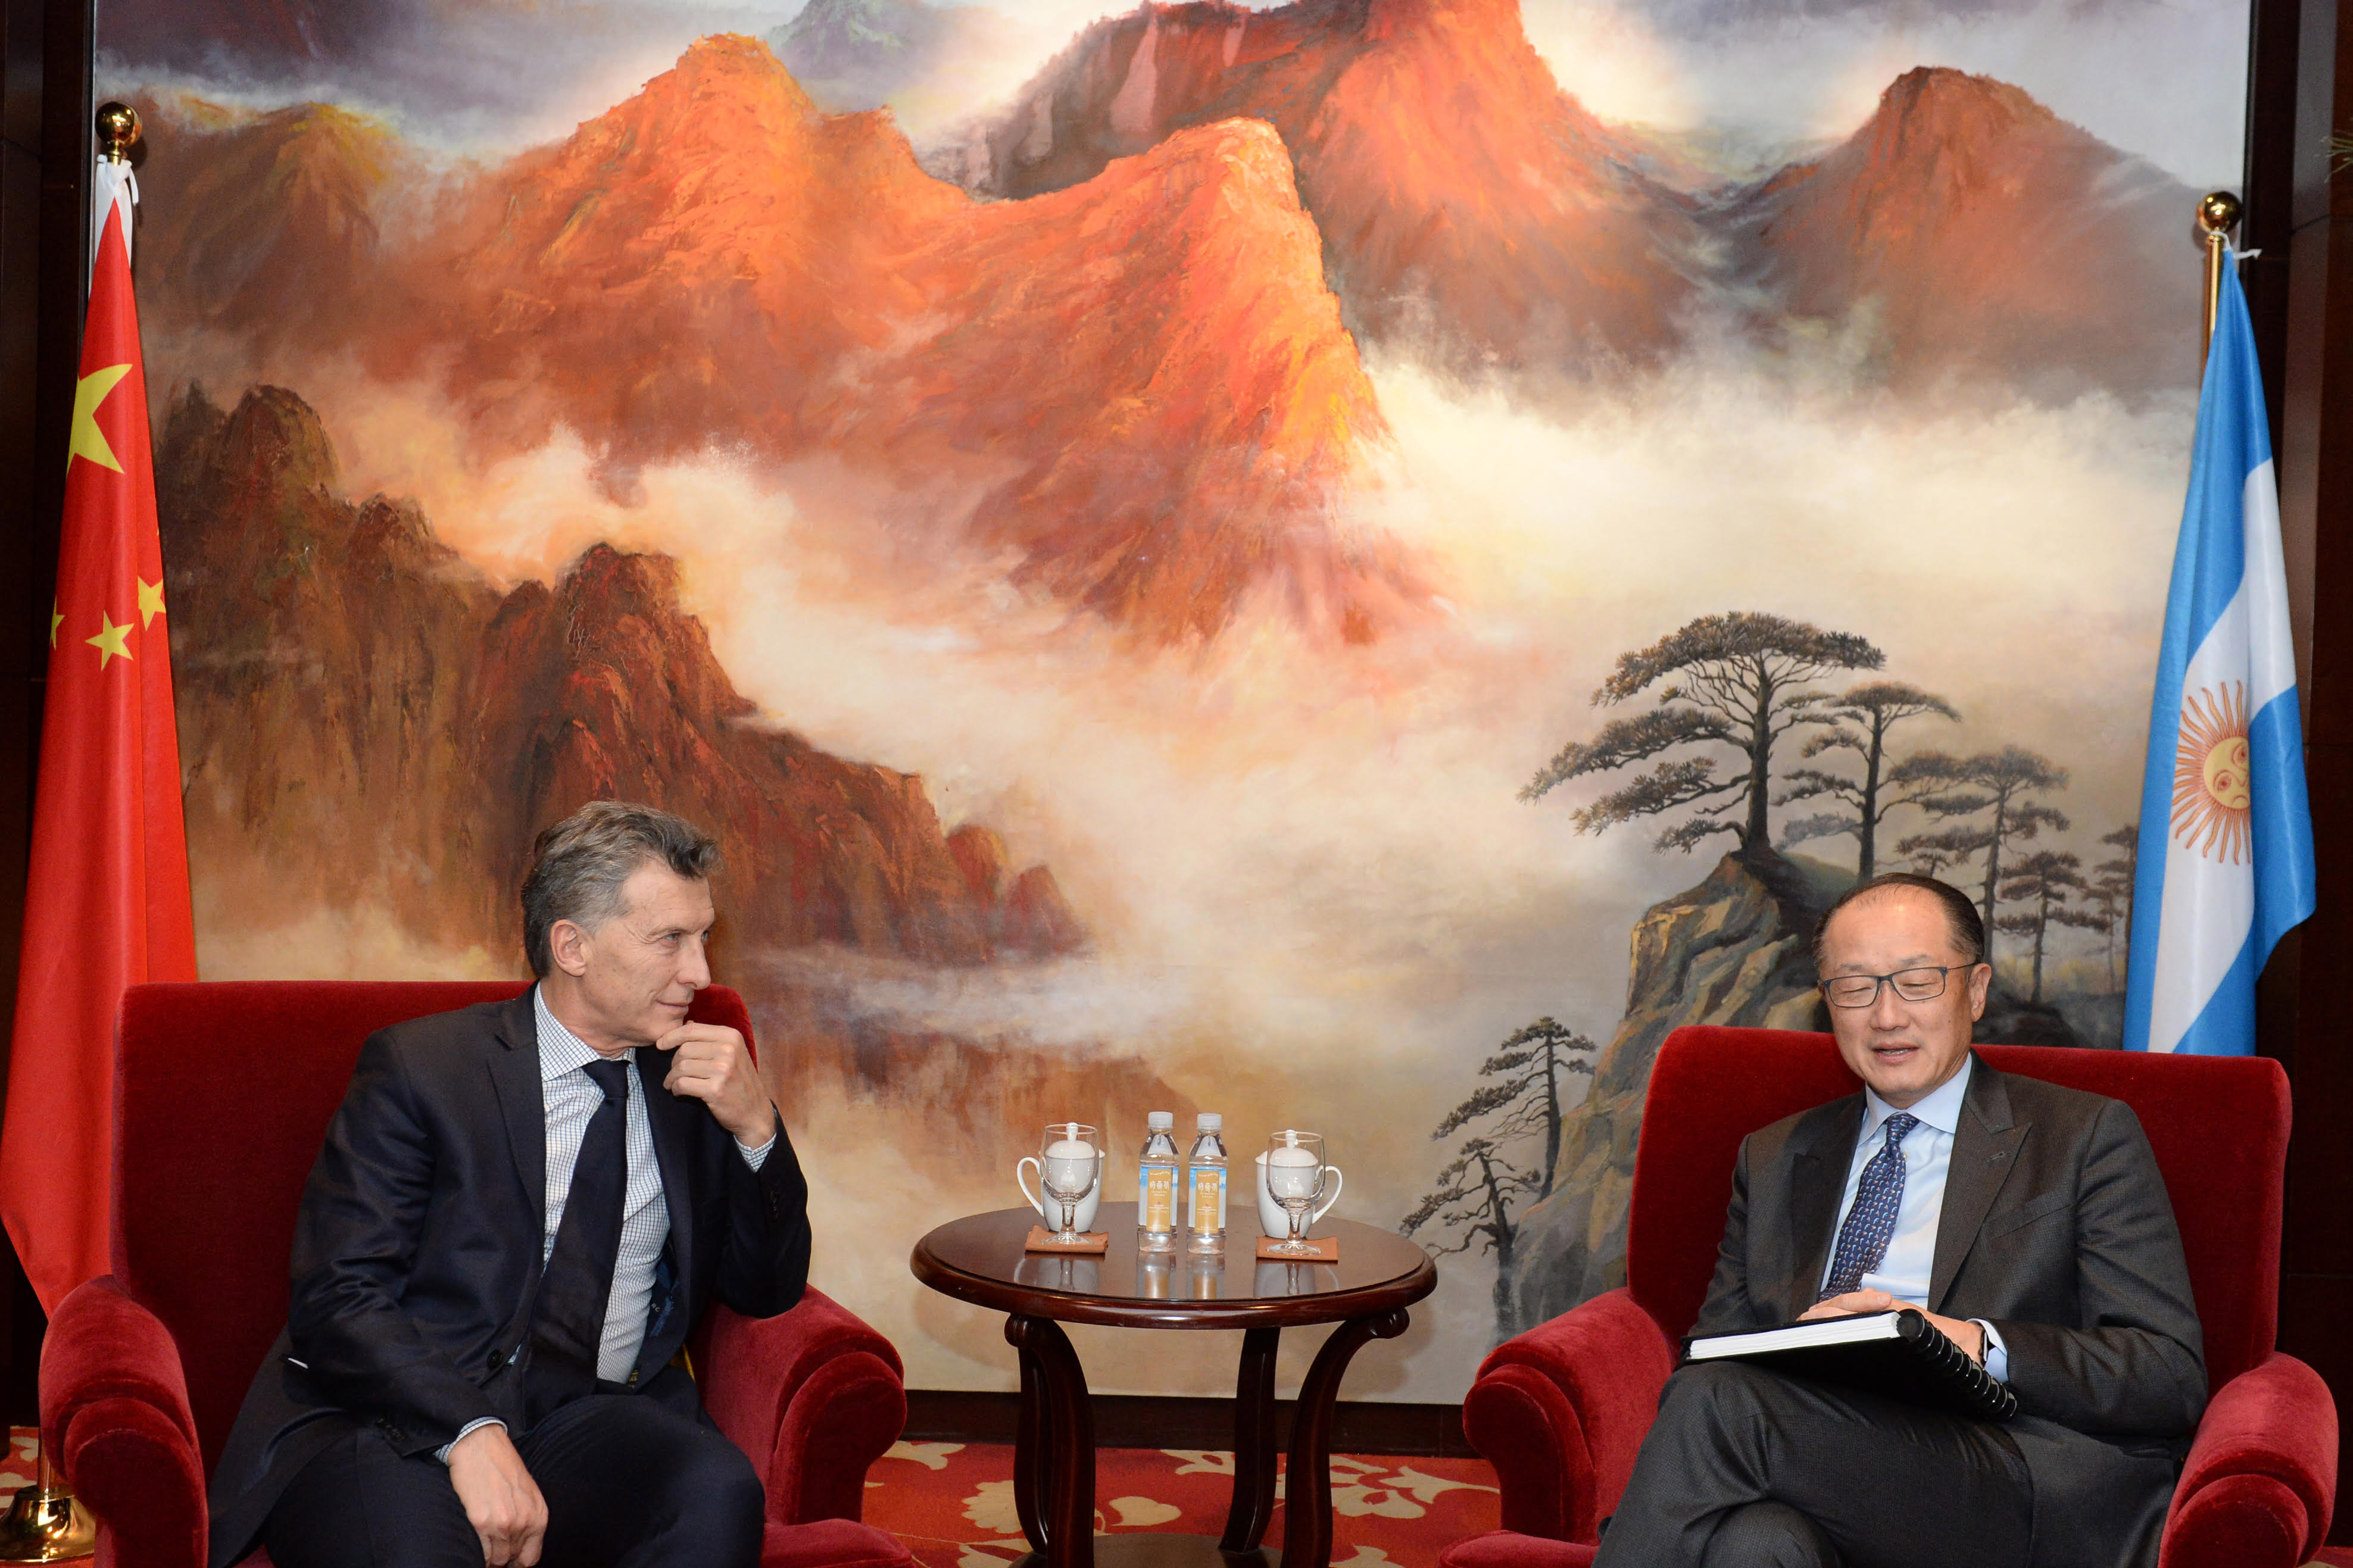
point(2211, 794)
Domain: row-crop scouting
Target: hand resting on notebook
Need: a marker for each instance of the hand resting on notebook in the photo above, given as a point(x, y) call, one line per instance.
point(1966, 1334)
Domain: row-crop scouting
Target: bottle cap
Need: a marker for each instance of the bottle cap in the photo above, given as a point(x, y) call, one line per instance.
point(1209, 1121)
point(1160, 1120)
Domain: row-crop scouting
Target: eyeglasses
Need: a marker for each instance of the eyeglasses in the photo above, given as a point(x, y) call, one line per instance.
point(1922, 984)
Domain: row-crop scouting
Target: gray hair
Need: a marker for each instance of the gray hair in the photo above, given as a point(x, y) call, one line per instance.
point(579, 865)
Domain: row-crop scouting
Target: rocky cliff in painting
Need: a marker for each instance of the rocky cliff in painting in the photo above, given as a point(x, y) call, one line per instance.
point(367, 722)
point(1731, 950)
point(1465, 202)
point(1981, 234)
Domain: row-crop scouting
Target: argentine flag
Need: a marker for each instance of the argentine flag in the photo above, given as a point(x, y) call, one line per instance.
point(2225, 863)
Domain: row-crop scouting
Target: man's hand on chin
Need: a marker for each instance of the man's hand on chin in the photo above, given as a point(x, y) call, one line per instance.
point(1966, 1334)
point(502, 1501)
point(710, 1063)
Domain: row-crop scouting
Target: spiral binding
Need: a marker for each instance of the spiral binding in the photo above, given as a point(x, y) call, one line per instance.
point(1991, 1396)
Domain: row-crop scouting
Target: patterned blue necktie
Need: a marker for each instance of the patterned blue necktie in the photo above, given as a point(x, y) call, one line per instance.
point(1863, 1240)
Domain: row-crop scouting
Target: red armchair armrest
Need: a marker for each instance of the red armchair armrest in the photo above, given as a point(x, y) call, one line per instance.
point(813, 1396)
point(2261, 1479)
point(115, 1417)
point(1560, 1412)
point(1509, 1549)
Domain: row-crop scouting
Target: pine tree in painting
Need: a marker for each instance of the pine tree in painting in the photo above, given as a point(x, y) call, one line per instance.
point(2003, 783)
point(1473, 1196)
point(1859, 723)
point(2045, 881)
point(1738, 680)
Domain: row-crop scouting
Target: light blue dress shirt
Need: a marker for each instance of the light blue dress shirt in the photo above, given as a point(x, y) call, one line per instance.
point(1927, 1152)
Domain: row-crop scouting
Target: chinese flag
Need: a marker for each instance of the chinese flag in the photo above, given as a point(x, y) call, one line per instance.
point(107, 903)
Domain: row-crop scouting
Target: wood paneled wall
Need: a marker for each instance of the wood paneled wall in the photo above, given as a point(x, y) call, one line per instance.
point(2308, 220)
point(45, 160)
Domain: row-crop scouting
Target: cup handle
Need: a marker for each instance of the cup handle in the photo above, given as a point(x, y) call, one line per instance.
point(1021, 1179)
point(1337, 1176)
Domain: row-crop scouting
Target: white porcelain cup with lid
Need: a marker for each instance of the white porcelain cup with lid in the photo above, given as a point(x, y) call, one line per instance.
point(1272, 1220)
point(1027, 1167)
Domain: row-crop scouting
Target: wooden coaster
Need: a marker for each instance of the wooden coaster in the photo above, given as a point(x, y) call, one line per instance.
point(1327, 1250)
point(1043, 1240)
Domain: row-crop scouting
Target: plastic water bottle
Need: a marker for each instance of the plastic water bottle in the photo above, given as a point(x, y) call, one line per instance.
point(1205, 1186)
point(1156, 1186)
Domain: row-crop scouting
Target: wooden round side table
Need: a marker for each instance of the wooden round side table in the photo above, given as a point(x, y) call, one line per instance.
point(979, 1259)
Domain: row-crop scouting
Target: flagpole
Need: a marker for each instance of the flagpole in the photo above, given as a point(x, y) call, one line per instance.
point(2218, 215)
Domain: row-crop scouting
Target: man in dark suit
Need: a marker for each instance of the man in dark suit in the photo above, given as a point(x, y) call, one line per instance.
point(2030, 1224)
point(520, 1211)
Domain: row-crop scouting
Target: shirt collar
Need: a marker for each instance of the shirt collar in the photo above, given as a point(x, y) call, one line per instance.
point(1941, 1109)
point(560, 1051)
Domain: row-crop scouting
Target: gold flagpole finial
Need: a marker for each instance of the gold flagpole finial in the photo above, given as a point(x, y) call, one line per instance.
point(118, 131)
point(2218, 215)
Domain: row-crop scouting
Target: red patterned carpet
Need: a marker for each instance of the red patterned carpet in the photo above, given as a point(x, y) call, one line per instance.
point(952, 1503)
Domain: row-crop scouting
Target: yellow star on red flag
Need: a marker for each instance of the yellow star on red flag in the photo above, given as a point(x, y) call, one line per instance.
point(89, 440)
point(56, 620)
point(110, 639)
point(150, 601)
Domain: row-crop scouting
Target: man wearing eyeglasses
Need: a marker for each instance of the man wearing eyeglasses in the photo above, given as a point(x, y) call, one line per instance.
point(2026, 1221)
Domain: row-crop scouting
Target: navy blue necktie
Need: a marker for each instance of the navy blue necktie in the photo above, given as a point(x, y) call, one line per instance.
point(1863, 1240)
point(568, 1328)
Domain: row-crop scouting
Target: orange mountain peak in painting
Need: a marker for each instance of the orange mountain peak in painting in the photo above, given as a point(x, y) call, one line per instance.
point(1465, 201)
point(273, 230)
point(1186, 283)
point(1143, 379)
point(687, 268)
point(1978, 234)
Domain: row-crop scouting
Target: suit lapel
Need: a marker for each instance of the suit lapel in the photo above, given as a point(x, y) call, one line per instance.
point(671, 1121)
point(1985, 1151)
point(1817, 1179)
point(514, 1074)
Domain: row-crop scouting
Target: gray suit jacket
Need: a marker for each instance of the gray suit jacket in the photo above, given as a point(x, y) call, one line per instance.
point(2057, 1230)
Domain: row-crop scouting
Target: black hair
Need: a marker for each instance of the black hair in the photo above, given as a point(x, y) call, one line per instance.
point(1961, 917)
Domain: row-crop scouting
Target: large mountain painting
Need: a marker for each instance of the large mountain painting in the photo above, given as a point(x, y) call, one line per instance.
point(1351, 564)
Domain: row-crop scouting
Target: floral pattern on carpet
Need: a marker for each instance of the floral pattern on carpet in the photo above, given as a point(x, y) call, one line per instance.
point(952, 1503)
point(17, 1470)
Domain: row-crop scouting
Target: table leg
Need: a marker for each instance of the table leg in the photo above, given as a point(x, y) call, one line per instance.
point(1031, 1440)
point(1254, 1445)
point(1307, 1491)
point(1054, 1446)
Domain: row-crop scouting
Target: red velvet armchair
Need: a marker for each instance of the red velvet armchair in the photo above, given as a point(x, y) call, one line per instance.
point(222, 1097)
point(1561, 1410)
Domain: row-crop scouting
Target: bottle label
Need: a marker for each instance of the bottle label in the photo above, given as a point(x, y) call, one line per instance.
point(1209, 1199)
point(1158, 1190)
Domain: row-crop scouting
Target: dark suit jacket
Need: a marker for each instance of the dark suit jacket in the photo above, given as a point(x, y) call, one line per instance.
point(2057, 1230)
point(416, 1252)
